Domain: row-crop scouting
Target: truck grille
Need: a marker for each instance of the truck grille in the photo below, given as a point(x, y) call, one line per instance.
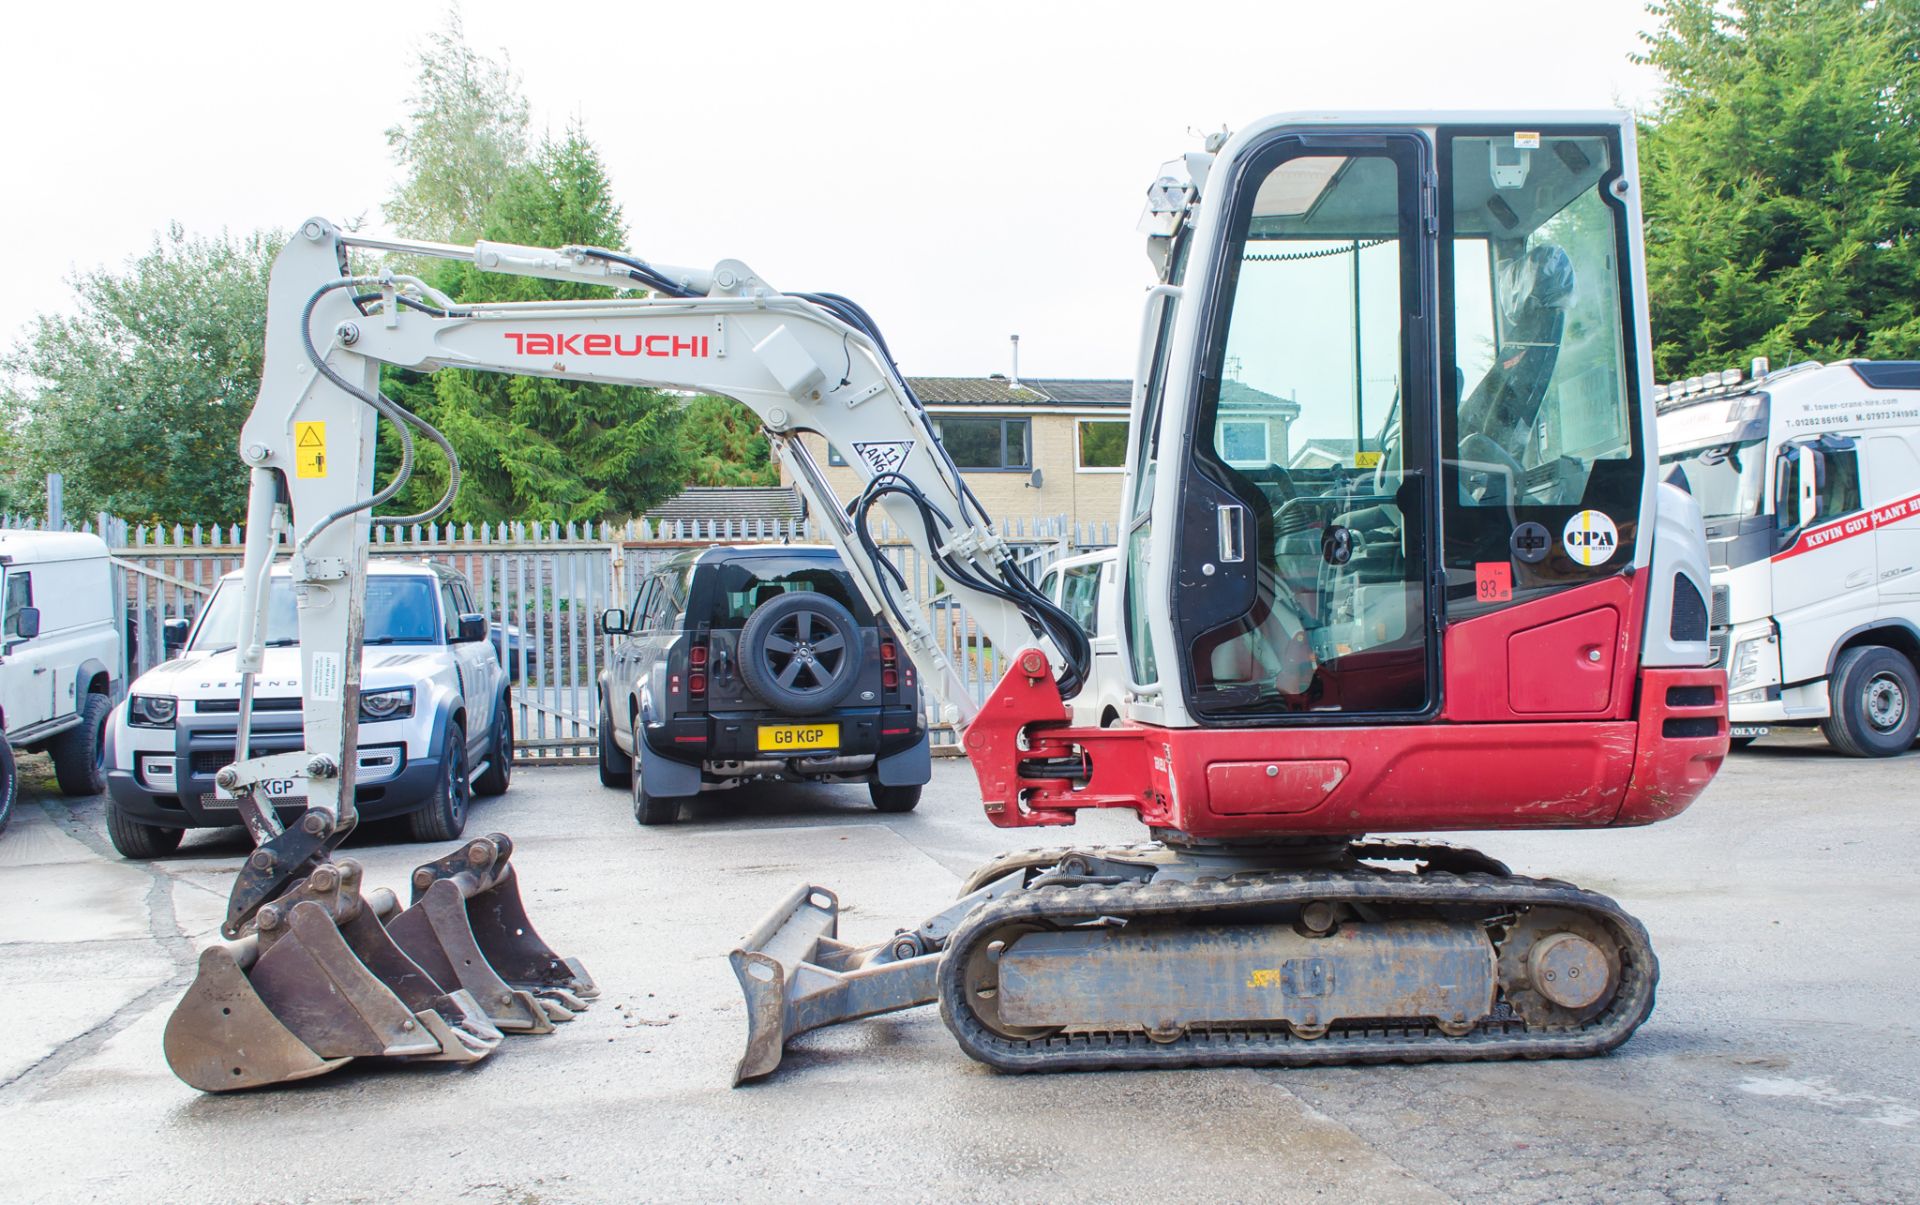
point(232, 706)
point(1720, 610)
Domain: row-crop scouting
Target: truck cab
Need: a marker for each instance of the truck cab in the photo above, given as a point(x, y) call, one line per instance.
point(59, 656)
point(1809, 481)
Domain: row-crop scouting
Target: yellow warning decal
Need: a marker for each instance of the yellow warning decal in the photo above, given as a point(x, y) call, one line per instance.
point(310, 449)
point(1264, 977)
point(1366, 460)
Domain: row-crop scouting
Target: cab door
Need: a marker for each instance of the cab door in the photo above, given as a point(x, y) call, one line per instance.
point(1825, 576)
point(26, 682)
point(1305, 555)
point(1893, 474)
point(474, 662)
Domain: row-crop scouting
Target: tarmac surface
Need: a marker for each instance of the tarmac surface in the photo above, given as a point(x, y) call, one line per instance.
point(1779, 1065)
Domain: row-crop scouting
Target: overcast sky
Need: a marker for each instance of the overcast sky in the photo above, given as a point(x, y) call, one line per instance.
point(965, 171)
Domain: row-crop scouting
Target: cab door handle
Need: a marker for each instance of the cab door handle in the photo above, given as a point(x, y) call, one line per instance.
point(1233, 540)
point(1858, 577)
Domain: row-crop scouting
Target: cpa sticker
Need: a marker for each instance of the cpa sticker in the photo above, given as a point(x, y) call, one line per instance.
point(1590, 538)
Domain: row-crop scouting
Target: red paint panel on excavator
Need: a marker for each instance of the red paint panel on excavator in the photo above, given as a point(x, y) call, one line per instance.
point(1534, 732)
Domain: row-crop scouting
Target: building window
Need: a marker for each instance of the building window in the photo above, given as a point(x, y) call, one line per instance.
point(988, 443)
point(1244, 444)
point(1103, 445)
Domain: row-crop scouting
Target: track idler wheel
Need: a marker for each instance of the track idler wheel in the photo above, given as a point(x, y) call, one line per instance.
point(982, 980)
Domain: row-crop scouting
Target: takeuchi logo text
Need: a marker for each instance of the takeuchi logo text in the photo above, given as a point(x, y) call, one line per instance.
point(536, 343)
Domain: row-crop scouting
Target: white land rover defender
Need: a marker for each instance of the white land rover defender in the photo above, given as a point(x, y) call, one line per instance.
point(59, 657)
point(436, 722)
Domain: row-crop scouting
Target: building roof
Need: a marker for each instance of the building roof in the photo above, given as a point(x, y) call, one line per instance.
point(997, 390)
point(1238, 394)
point(1067, 393)
point(749, 503)
point(1333, 451)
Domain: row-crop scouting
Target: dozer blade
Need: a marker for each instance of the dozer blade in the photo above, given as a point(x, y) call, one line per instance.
point(319, 982)
point(798, 976)
point(468, 926)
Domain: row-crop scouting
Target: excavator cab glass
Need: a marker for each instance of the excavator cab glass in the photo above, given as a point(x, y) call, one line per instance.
point(1539, 422)
point(1415, 354)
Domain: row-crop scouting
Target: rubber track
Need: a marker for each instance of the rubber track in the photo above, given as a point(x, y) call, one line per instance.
point(1243, 1044)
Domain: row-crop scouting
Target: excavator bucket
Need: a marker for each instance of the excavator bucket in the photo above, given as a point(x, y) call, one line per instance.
point(797, 975)
point(317, 983)
point(468, 926)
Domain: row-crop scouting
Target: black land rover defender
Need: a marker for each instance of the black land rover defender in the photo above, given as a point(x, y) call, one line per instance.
point(737, 664)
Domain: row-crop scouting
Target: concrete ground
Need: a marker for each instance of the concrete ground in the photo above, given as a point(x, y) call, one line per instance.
point(1782, 1063)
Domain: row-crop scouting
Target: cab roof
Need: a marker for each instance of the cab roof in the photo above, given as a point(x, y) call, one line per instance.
point(43, 547)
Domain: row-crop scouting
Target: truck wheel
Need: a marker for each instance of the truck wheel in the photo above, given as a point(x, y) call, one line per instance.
point(444, 816)
point(498, 776)
point(616, 769)
point(79, 753)
point(800, 653)
point(894, 799)
point(9, 782)
point(650, 809)
point(133, 839)
point(1876, 703)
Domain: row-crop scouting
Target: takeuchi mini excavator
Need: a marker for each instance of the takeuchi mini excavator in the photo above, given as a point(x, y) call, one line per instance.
point(1395, 558)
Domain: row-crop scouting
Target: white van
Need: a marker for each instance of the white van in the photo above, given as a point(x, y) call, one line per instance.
point(1087, 586)
point(1809, 479)
point(59, 657)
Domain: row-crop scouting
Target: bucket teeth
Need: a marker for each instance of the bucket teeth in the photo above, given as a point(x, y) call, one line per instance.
point(325, 975)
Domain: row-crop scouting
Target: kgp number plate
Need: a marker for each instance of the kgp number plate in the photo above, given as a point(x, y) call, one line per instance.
point(788, 738)
point(272, 788)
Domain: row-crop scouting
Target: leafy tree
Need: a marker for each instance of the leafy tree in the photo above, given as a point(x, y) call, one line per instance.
point(465, 136)
point(532, 448)
point(1782, 174)
point(726, 444)
point(139, 396)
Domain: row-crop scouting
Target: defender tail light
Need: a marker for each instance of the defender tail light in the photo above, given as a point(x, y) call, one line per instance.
point(889, 663)
point(697, 669)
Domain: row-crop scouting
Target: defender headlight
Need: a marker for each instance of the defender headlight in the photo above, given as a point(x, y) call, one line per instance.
point(152, 711)
point(1743, 668)
point(395, 703)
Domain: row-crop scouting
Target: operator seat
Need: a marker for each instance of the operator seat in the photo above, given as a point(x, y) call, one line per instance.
point(1534, 290)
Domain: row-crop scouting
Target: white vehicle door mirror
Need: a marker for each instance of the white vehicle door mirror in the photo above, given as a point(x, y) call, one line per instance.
point(1809, 501)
